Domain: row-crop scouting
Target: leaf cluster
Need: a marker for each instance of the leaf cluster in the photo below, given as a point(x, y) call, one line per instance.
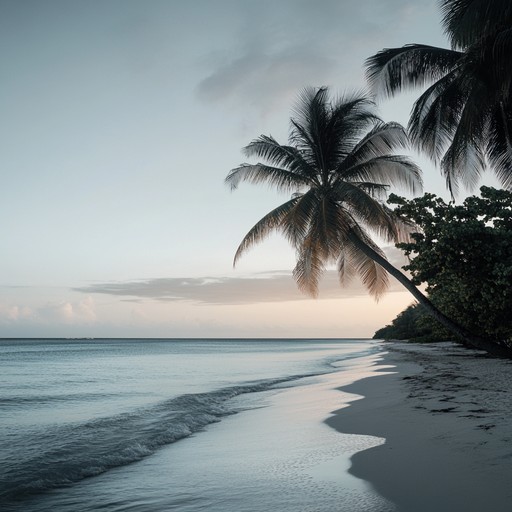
point(463, 253)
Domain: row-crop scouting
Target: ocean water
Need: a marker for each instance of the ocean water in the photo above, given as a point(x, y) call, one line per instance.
point(188, 425)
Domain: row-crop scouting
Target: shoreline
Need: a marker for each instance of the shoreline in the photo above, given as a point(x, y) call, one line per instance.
point(446, 415)
point(266, 449)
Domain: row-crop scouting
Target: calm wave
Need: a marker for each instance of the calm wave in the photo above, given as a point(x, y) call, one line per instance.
point(71, 410)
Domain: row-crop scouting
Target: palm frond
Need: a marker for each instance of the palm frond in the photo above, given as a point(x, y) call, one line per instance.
point(467, 21)
point(311, 116)
point(390, 170)
point(281, 179)
point(344, 268)
point(352, 116)
point(325, 133)
point(435, 115)
point(309, 268)
point(301, 138)
point(415, 65)
point(328, 227)
point(377, 191)
point(462, 162)
point(501, 51)
point(382, 139)
point(264, 227)
point(367, 211)
point(279, 155)
point(311, 109)
point(321, 244)
point(296, 223)
point(372, 275)
point(464, 159)
point(499, 145)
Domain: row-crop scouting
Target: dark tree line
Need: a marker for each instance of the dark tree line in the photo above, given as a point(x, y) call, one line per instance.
point(463, 254)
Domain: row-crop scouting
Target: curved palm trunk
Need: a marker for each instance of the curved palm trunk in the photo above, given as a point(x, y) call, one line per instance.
point(461, 332)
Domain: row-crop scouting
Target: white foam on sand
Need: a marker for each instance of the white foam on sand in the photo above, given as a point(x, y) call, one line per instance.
point(446, 417)
point(282, 456)
point(277, 454)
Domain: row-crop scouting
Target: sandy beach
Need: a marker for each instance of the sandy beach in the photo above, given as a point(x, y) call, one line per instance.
point(446, 415)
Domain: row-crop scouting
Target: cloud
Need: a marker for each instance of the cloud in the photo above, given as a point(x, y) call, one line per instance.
point(13, 313)
point(208, 290)
point(79, 312)
point(266, 80)
point(62, 312)
point(280, 48)
point(277, 286)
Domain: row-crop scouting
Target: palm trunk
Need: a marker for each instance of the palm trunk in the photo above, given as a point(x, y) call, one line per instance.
point(469, 338)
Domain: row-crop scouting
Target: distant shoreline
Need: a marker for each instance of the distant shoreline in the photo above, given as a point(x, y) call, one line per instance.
point(180, 338)
point(136, 338)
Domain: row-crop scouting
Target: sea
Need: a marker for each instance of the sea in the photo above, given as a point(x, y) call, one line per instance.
point(150, 425)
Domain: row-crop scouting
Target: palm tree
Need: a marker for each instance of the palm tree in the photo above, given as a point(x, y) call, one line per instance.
point(463, 120)
point(338, 166)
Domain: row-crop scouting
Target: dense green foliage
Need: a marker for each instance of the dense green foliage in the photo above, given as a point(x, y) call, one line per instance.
point(464, 255)
point(413, 324)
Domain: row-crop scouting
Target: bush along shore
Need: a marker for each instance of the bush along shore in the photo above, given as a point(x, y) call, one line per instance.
point(450, 254)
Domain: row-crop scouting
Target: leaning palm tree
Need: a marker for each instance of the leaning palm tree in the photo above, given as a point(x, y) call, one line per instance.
point(463, 119)
point(338, 167)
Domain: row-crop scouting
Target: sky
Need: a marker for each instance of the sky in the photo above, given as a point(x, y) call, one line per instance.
point(120, 119)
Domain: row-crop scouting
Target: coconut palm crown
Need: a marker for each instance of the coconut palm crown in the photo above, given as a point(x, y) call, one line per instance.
point(463, 119)
point(337, 167)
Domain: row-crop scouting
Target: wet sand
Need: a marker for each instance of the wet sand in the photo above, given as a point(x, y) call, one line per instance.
point(446, 415)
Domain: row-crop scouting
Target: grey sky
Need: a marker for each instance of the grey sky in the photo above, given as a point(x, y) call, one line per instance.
point(119, 120)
